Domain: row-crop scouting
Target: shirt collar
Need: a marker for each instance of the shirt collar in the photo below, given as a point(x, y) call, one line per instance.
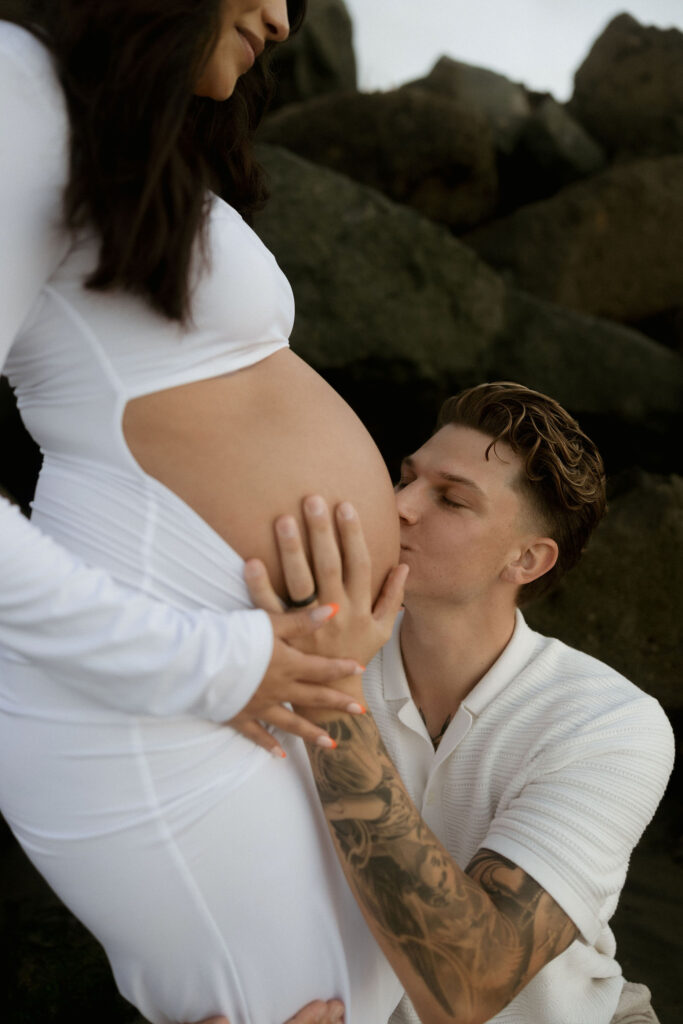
point(515, 656)
point(394, 677)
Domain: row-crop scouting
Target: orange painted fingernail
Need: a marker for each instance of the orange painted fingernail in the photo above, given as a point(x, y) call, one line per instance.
point(327, 742)
point(324, 613)
point(356, 709)
point(277, 752)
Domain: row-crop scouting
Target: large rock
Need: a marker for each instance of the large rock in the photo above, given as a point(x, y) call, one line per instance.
point(596, 368)
point(383, 293)
point(372, 279)
point(608, 246)
point(626, 390)
point(419, 148)
point(540, 147)
point(503, 103)
point(552, 150)
point(629, 91)
point(622, 602)
point(320, 58)
point(666, 328)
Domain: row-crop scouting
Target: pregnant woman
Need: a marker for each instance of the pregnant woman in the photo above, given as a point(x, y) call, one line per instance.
point(144, 328)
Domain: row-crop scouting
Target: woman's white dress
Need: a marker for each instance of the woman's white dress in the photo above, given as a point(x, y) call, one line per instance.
point(202, 864)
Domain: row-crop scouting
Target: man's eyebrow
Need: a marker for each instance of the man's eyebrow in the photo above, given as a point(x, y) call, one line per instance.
point(452, 478)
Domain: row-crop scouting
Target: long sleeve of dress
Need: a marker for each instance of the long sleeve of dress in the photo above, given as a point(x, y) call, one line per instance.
point(128, 650)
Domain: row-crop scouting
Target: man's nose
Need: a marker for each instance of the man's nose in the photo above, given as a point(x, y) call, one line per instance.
point(407, 503)
point(275, 20)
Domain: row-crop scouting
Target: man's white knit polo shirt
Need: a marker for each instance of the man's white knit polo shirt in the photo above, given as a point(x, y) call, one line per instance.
point(556, 762)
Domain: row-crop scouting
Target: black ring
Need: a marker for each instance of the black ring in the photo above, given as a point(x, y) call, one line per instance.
point(306, 601)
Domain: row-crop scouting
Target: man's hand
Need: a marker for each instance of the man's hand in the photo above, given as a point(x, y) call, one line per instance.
point(320, 1013)
point(341, 576)
point(305, 656)
point(317, 1012)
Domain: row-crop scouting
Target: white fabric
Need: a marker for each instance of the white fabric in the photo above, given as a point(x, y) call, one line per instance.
point(75, 357)
point(556, 762)
point(204, 866)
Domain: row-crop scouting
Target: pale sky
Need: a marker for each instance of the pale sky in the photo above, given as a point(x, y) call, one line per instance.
point(538, 42)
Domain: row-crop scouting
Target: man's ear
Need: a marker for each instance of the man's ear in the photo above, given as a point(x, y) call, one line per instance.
point(536, 559)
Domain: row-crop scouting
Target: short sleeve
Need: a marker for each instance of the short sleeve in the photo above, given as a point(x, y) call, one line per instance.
point(583, 807)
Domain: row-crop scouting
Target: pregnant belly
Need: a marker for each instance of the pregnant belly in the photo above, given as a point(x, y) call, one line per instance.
point(244, 448)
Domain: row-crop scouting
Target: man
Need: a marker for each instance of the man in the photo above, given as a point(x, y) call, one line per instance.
point(533, 769)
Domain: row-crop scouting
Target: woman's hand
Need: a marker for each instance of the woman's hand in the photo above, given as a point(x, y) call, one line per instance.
point(296, 677)
point(340, 576)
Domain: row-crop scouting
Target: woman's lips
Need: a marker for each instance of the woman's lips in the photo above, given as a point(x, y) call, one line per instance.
point(249, 51)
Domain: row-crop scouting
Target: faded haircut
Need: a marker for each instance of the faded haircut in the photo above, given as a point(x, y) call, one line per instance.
point(562, 475)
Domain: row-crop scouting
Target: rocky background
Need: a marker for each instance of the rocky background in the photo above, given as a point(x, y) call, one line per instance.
point(457, 229)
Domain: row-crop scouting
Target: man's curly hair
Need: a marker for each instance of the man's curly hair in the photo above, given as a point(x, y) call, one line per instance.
point(563, 474)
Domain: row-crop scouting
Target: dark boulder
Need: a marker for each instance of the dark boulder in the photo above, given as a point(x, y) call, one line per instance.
point(551, 151)
point(504, 104)
point(386, 295)
point(539, 146)
point(608, 246)
point(666, 328)
point(628, 93)
point(320, 58)
point(373, 279)
point(428, 151)
point(626, 389)
point(622, 602)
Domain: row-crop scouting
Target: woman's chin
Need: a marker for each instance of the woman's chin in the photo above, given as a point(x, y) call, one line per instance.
point(216, 90)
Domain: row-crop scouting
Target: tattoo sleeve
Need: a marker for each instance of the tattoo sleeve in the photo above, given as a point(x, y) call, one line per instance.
point(463, 943)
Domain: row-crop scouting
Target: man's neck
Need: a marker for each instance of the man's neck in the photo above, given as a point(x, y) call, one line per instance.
point(446, 651)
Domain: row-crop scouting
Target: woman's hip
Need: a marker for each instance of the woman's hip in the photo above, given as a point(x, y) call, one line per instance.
point(201, 864)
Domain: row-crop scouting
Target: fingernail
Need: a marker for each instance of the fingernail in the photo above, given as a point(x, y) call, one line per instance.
point(359, 670)
point(346, 510)
point(315, 505)
point(252, 569)
point(356, 709)
point(325, 612)
point(286, 527)
point(277, 752)
point(327, 742)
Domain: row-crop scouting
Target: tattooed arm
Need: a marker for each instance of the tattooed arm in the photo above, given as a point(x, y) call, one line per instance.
point(463, 943)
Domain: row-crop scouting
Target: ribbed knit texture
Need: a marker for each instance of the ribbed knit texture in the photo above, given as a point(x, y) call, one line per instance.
point(557, 762)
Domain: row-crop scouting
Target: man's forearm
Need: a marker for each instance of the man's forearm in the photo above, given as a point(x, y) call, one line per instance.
point(462, 948)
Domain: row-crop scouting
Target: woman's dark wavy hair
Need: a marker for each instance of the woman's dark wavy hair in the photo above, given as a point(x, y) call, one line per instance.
point(563, 475)
point(144, 149)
